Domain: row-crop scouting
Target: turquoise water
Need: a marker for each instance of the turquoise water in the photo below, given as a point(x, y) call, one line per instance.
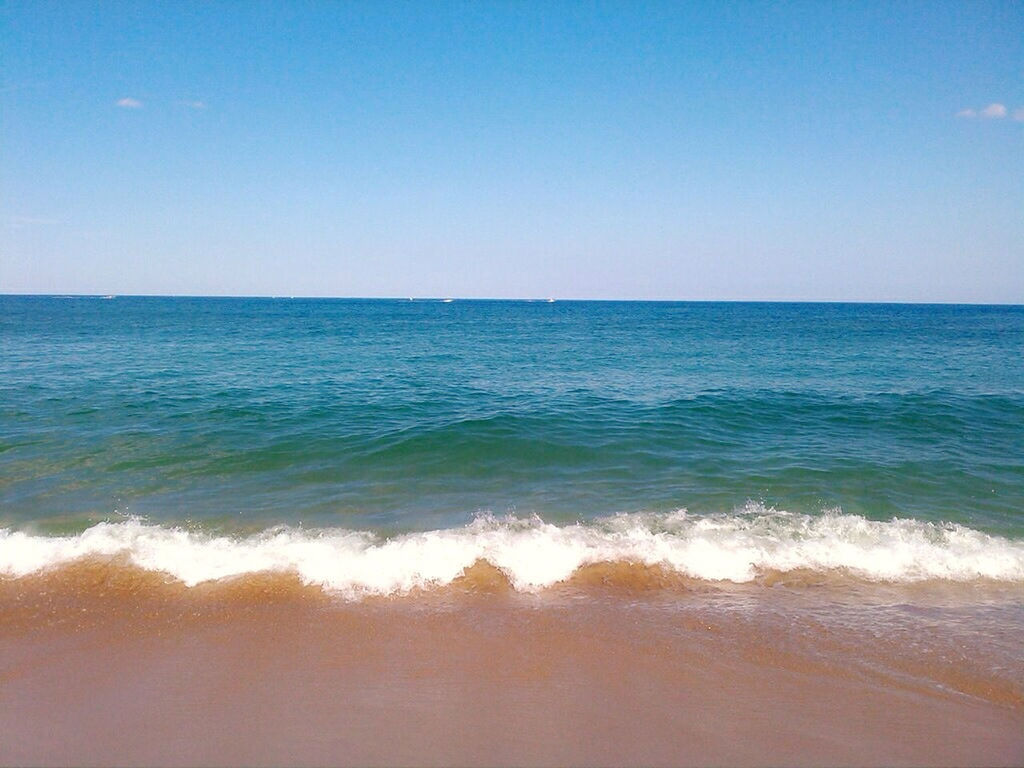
point(234, 415)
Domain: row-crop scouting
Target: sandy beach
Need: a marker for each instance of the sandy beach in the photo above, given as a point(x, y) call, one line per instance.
point(107, 665)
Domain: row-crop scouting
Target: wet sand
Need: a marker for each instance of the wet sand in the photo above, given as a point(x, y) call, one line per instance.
point(102, 667)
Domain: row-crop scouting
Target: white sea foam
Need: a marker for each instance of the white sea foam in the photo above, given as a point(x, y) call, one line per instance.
point(534, 554)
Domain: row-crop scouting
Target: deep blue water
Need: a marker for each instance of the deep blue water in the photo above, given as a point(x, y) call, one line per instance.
point(237, 414)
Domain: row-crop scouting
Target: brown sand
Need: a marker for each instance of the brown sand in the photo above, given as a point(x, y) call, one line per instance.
point(102, 669)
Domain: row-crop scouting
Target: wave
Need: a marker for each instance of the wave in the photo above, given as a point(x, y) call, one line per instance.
point(530, 554)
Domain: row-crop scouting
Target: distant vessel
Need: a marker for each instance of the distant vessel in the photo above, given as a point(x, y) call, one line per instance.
point(551, 301)
point(447, 301)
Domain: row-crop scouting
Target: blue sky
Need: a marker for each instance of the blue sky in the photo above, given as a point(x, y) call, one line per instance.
point(832, 151)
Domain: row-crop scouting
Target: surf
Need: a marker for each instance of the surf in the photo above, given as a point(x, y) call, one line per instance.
point(750, 545)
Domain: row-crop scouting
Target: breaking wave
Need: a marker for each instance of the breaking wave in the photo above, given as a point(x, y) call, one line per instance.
point(533, 554)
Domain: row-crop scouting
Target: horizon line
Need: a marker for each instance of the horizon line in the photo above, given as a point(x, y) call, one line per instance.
point(531, 299)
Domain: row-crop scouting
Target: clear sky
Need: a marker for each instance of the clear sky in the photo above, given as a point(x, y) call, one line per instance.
point(834, 151)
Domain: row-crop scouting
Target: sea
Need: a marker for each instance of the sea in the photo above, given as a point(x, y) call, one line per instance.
point(790, 473)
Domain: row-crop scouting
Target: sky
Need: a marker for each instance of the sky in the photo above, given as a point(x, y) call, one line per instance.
point(742, 151)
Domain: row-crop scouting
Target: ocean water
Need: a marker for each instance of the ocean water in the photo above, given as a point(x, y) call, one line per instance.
point(381, 445)
point(266, 531)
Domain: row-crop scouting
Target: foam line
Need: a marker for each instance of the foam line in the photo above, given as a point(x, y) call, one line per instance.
point(534, 554)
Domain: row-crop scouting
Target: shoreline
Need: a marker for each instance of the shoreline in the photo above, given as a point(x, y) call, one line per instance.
point(107, 669)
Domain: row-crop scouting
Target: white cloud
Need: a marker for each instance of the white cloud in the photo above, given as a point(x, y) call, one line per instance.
point(129, 103)
point(994, 111)
point(966, 113)
point(11, 87)
point(21, 222)
point(195, 104)
point(1018, 114)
